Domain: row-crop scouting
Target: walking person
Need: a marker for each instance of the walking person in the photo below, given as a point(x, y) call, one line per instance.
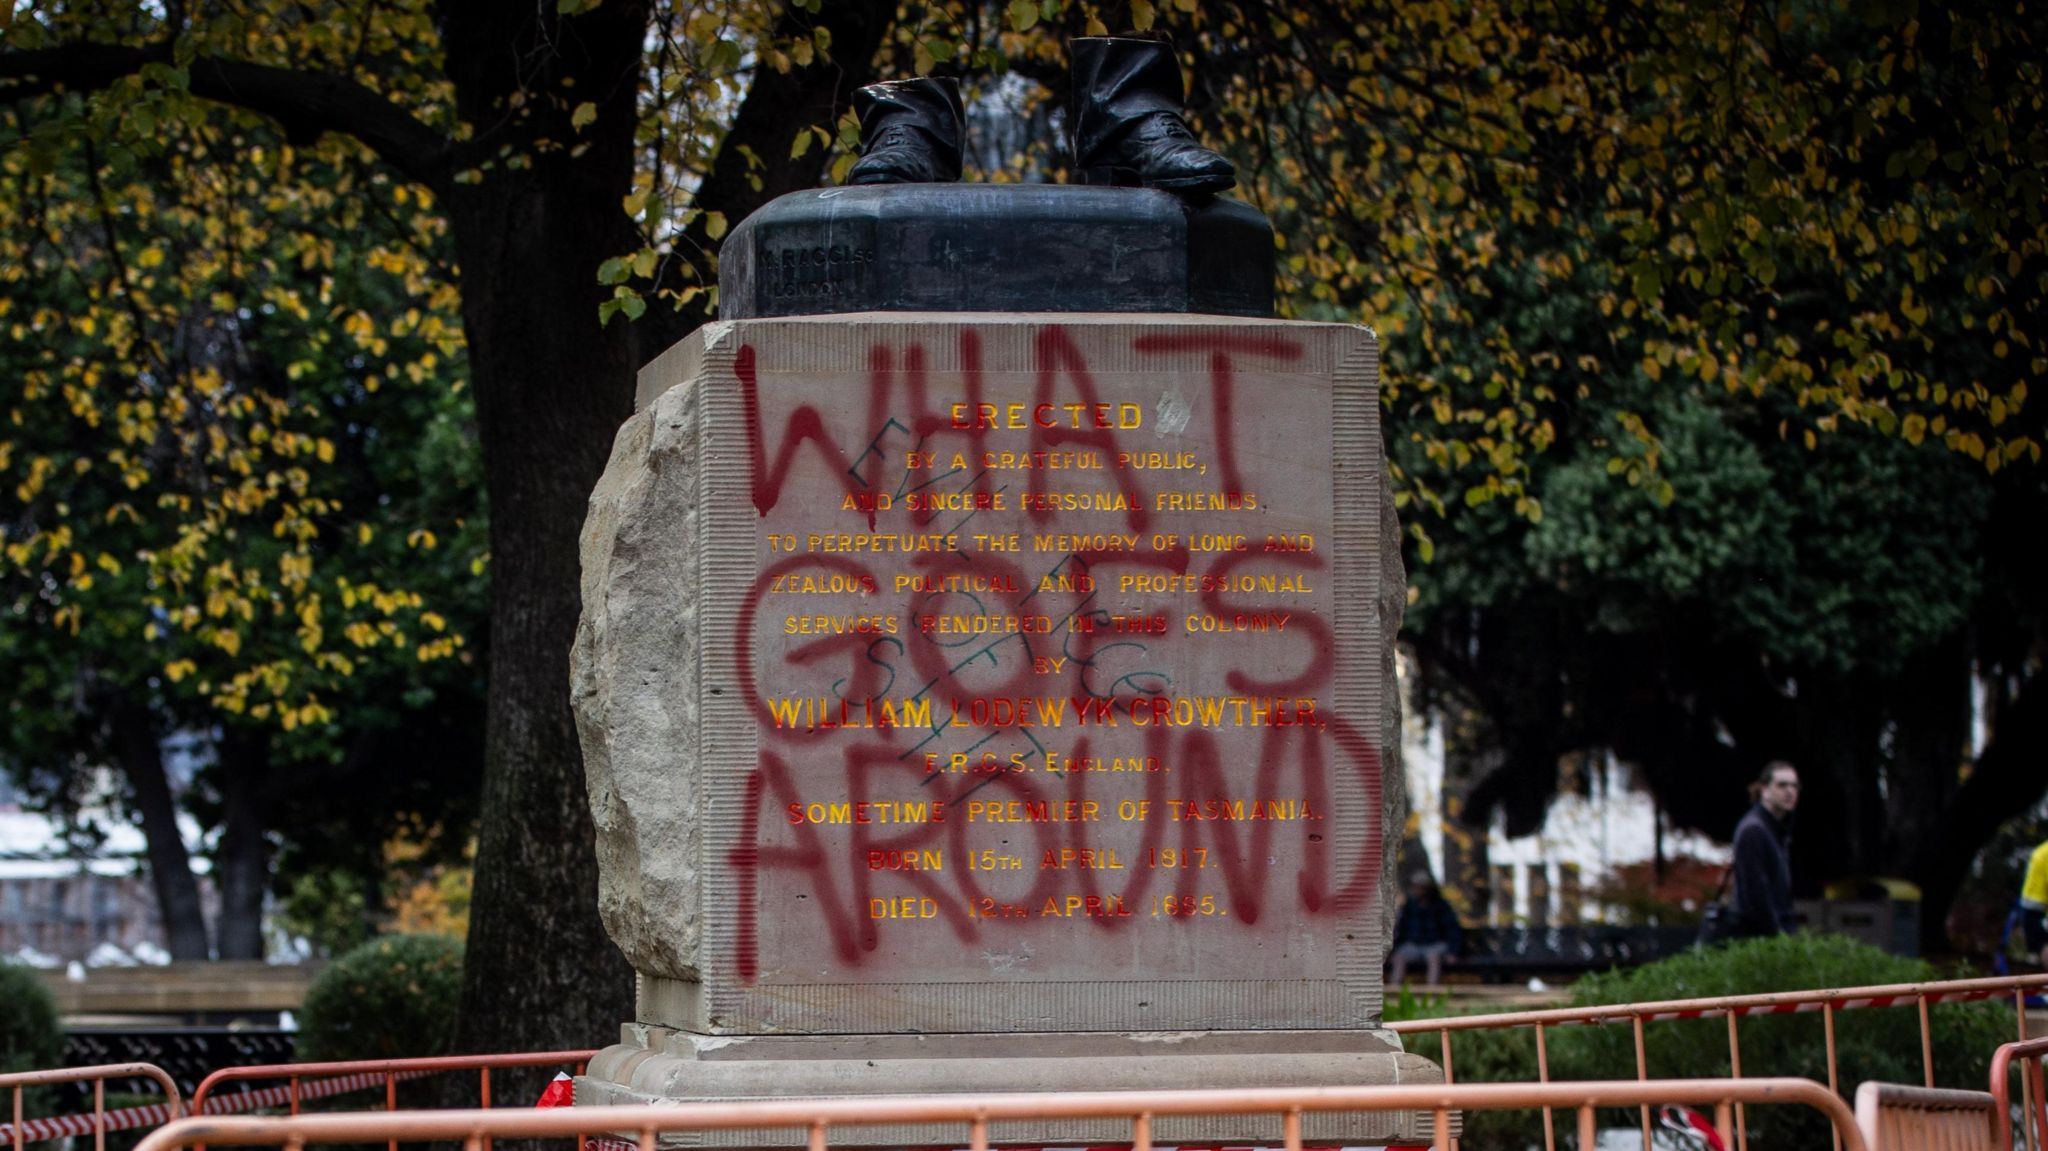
point(1763, 854)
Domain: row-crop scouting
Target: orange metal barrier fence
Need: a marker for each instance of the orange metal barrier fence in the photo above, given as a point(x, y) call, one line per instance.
point(22, 1131)
point(1894, 1117)
point(975, 1113)
point(2028, 1054)
point(1899, 1118)
point(324, 1078)
point(303, 1081)
point(390, 1071)
point(1733, 1007)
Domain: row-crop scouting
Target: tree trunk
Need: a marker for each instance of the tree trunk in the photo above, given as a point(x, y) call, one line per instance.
point(170, 865)
point(242, 862)
point(1471, 754)
point(2006, 781)
point(1839, 828)
point(1931, 706)
point(552, 388)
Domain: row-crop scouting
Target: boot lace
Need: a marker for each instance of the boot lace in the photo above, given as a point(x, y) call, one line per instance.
point(1164, 126)
point(899, 136)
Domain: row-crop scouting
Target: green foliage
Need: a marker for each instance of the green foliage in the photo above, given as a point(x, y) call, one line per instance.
point(1406, 1004)
point(391, 998)
point(199, 490)
point(423, 892)
point(1881, 1044)
point(1822, 558)
point(240, 489)
point(1505, 1056)
point(1872, 1044)
point(326, 907)
point(30, 1039)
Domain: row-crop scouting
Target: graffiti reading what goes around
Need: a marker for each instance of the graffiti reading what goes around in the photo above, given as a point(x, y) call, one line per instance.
point(1042, 655)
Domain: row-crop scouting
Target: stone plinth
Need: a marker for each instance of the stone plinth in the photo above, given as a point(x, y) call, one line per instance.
point(655, 1064)
point(996, 248)
point(983, 702)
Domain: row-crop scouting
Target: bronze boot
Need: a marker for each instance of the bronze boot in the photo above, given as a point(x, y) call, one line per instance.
point(1126, 120)
point(910, 132)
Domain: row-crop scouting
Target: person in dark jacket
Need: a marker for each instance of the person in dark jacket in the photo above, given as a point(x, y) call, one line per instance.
point(1763, 854)
point(1426, 928)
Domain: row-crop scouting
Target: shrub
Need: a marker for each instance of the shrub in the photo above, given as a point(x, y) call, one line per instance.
point(1871, 1043)
point(29, 1036)
point(391, 998)
point(1478, 1057)
point(1494, 1057)
point(1880, 1044)
point(30, 1039)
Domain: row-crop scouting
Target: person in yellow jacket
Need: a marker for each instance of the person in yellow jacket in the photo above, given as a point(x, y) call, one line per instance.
point(2034, 904)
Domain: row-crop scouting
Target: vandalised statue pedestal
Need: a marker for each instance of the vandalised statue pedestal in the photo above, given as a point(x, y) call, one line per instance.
point(989, 687)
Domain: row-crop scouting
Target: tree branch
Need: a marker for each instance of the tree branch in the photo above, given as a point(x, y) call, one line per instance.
point(776, 106)
point(304, 104)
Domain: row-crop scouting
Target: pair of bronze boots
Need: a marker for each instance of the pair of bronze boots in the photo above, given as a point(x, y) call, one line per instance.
point(1124, 118)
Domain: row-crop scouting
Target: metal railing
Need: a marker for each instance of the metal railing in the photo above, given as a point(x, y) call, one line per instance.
point(1825, 1002)
point(361, 1073)
point(2028, 1054)
point(1895, 1117)
point(1141, 1109)
point(19, 1081)
point(303, 1082)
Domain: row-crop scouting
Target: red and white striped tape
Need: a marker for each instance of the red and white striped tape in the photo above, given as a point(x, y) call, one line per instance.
point(152, 1114)
point(1801, 1007)
point(60, 1126)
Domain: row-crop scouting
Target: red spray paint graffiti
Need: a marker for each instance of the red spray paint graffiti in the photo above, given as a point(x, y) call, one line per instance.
point(986, 733)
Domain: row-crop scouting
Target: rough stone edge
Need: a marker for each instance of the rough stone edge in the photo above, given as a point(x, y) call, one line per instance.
point(629, 556)
point(1393, 605)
